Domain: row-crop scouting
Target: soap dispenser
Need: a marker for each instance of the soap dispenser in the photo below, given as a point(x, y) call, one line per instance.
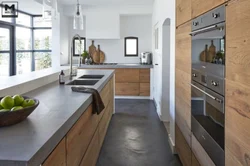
point(61, 78)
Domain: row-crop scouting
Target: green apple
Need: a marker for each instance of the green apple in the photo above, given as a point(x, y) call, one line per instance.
point(28, 103)
point(7, 102)
point(18, 100)
point(4, 110)
point(16, 108)
point(1, 106)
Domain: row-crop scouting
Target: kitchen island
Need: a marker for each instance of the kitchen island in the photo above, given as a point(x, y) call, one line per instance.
point(62, 122)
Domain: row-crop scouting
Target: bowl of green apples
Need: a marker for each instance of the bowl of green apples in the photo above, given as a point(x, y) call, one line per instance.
point(14, 109)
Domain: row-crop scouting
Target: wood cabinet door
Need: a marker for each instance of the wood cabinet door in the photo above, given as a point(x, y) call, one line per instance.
point(183, 11)
point(183, 80)
point(237, 95)
point(182, 147)
point(127, 75)
point(58, 156)
point(202, 6)
point(127, 89)
point(80, 136)
point(195, 162)
point(91, 156)
point(144, 89)
point(144, 75)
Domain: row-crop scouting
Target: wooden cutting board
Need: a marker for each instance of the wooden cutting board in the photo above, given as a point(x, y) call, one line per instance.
point(98, 56)
point(203, 55)
point(92, 48)
point(211, 52)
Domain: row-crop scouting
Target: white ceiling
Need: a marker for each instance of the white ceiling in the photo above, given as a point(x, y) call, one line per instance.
point(107, 2)
point(30, 6)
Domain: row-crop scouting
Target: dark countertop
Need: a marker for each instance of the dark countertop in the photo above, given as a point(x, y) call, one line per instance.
point(119, 65)
point(30, 142)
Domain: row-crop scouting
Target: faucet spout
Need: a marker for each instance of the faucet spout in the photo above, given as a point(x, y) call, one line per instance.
point(71, 56)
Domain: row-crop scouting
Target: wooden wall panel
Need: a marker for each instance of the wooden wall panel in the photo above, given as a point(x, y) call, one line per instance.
point(237, 121)
point(182, 80)
point(182, 147)
point(200, 153)
point(238, 41)
point(183, 11)
point(202, 6)
point(183, 47)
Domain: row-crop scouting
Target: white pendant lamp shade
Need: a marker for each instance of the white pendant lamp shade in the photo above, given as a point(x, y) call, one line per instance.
point(78, 18)
point(49, 9)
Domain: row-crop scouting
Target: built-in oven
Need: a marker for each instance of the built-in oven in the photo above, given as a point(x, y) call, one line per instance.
point(208, 90)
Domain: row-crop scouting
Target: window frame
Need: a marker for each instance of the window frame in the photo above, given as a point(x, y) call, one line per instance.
point(125, 47)
point(82, 39)
point(13, 53)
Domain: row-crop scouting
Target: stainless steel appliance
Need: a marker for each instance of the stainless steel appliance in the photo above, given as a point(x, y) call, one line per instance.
point(208, 90)
point(146, 58)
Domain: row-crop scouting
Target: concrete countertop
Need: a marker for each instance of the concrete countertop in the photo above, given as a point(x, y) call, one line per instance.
point(119, 65)
point(30, 142)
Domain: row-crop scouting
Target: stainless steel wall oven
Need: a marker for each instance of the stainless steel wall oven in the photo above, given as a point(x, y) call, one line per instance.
point(208, 75)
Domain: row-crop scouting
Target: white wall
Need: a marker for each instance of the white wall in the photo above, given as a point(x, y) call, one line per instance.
point(64, 39)
point(162, 10)
point(131, 25)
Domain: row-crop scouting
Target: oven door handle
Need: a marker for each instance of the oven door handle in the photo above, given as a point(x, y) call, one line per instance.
point(204, 29)
point(214, 98)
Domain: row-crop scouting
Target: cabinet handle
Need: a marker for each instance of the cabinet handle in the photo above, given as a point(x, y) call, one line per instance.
point(156, 64)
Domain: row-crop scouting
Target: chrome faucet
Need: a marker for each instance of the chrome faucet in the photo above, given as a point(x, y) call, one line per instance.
point(71, 56)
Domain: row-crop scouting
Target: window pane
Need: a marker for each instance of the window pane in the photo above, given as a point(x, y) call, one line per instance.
point(4, 39)
point(5, 19)
point(79, 48)
point(131, 46)
point(42, 39)
point(23, 19)
point(40, 22)
point(4, 64)
point(23, 38)
point(42, 60)
point(23, 62)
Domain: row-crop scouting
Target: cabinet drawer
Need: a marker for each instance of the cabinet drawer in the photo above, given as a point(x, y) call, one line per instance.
point(127, 89)
point(91, 156)
point(58, 156)
point(144, 89)
point(144, 75)
point(127, 75)
point(79, 137)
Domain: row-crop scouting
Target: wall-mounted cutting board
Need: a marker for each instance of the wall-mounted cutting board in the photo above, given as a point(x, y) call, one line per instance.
point(92, 49)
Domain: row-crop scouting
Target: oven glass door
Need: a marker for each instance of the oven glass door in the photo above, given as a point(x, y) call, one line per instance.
point(208, 110)
point(208, 45)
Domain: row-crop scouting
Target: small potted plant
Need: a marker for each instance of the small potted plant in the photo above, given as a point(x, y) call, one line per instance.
point(85, 55)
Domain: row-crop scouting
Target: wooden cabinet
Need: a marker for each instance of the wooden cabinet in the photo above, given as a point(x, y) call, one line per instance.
point(127, 89)
point(183, 79)
point(202, 6)
point(91, 156)
point(182, 147)
point(144, 89)
point(195, 162)
point(78, 138)
point(127, 75)
point(183, 11)
point(144, 75)
point(58, 156)
point(237, 95)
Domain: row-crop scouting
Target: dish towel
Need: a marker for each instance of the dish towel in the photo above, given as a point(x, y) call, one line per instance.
point(98, 105)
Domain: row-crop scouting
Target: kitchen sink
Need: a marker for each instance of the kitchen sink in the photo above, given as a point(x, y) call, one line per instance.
point(83, 82)
point(92, 76)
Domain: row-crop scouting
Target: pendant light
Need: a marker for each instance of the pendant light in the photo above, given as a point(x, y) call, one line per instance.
point(49, 10)
point(78, 17)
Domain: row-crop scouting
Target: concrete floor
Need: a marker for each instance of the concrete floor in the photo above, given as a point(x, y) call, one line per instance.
point(136, 137)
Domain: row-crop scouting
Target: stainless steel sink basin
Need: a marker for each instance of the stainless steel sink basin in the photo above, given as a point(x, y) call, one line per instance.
point(92, 76)
point(83, 82)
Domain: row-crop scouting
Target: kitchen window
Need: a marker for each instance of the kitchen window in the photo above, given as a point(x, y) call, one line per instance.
point(77, 48)
point(131, 46)
point(25, 44)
